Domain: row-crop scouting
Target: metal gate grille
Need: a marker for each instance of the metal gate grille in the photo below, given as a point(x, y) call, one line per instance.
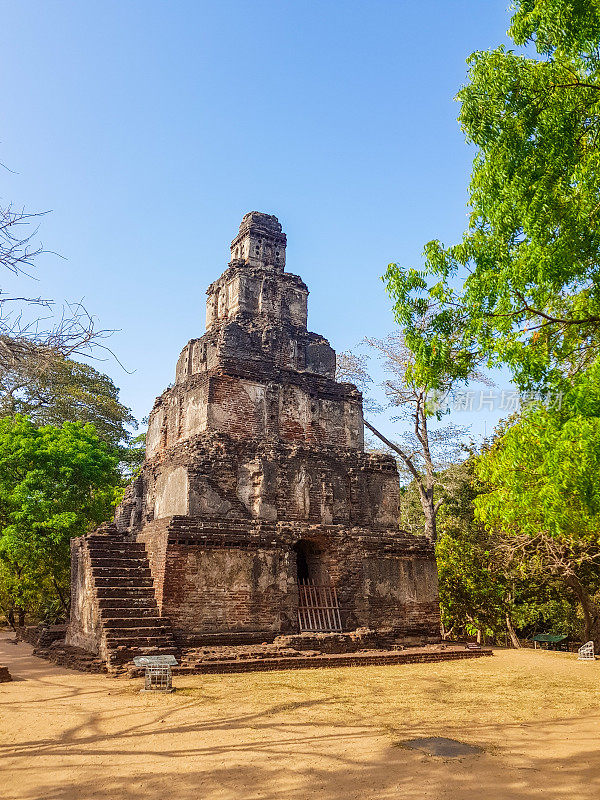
point(158, 678)
point(318, 608)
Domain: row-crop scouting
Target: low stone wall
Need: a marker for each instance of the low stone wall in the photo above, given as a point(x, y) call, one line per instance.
point(41, 635)
point(353, 641)
point(64, 655)
point(373, 659)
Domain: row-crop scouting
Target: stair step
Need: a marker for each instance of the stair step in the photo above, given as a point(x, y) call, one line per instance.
point(133, 547)
point(131, 621)
point(116, 555)
point(126, 655)
point(126, 606)
point(133, 642)
point(112, 541)
point(146, 611)
point(126, 593)
point(121, 572)
point(149, 636)
point(118, 580)
point(116, 552)
point(123, 623)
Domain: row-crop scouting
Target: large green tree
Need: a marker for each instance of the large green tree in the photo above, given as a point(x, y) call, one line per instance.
point(55, 483)
point(523, 286)
point(543, 492)
point(53, 390)
point(481, 590)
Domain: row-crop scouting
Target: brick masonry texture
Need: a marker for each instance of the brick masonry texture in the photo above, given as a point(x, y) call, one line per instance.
point(374, 659)
point(255, 477)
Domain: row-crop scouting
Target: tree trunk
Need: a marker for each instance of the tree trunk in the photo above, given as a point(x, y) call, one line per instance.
point(514, 639)
point(429, 513)
point(591, 612)
point(425, 492)
point(446, 634)
point(21, 616)
point(478, 636)
point(64, 602)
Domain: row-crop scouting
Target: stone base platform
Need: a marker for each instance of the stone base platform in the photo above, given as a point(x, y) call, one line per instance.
point(310, 652)
point(224, 660)
point(64, 655)
point(48, 642)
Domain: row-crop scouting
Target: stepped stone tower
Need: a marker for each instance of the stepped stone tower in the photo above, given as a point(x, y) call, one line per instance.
point(257, 511)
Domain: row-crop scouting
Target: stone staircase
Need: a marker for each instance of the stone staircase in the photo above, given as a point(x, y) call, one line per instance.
point(130, 619)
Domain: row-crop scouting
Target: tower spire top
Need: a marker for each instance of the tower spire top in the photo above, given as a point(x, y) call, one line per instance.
point(260, 242)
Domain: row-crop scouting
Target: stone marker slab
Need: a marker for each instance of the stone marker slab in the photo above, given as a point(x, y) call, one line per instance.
point(155, 661)
point(439, 746)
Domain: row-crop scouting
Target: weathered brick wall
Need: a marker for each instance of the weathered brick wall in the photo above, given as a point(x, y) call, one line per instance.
point(309, 411)
point(258, 291)
point(155, 536)
point(218, 476)
point(226, 589)
point(84, 629)
point(41, 635)
point(241, 576)
point(382, 581)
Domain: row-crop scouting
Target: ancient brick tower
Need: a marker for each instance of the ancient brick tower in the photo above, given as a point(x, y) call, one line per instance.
point(257, 511)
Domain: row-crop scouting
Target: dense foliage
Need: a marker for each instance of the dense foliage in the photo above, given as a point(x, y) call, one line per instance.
point(542, 492)
point(523, 286)
point(54, 390)
point(482, 592)
point(520, 540)
point(55, 483)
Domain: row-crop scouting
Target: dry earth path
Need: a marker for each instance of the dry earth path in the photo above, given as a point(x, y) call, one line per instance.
point(334, 734)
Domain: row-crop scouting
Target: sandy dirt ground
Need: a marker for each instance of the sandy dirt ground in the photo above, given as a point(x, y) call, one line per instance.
point(334, 734)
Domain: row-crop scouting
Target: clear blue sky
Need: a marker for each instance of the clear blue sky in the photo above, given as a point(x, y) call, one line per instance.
point(149, 128)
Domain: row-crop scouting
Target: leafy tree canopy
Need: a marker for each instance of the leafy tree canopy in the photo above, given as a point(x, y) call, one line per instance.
point(479, 588)
point(55, 483)
point(545, 469)
point(53, 390)
point(523, 285)
point(543, 491)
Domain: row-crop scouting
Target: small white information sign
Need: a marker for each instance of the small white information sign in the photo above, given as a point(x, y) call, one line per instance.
point(586, 652)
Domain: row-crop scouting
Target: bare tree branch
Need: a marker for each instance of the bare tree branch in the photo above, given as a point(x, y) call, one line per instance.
point(30, 341)
point(424, 452)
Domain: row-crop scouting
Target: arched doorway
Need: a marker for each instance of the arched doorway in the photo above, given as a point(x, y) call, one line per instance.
point(310, 564)
point(318, 608)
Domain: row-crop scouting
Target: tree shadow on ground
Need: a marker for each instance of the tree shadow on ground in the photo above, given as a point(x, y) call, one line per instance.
point(293, 760)
point(129, 752)
point(388, 773)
